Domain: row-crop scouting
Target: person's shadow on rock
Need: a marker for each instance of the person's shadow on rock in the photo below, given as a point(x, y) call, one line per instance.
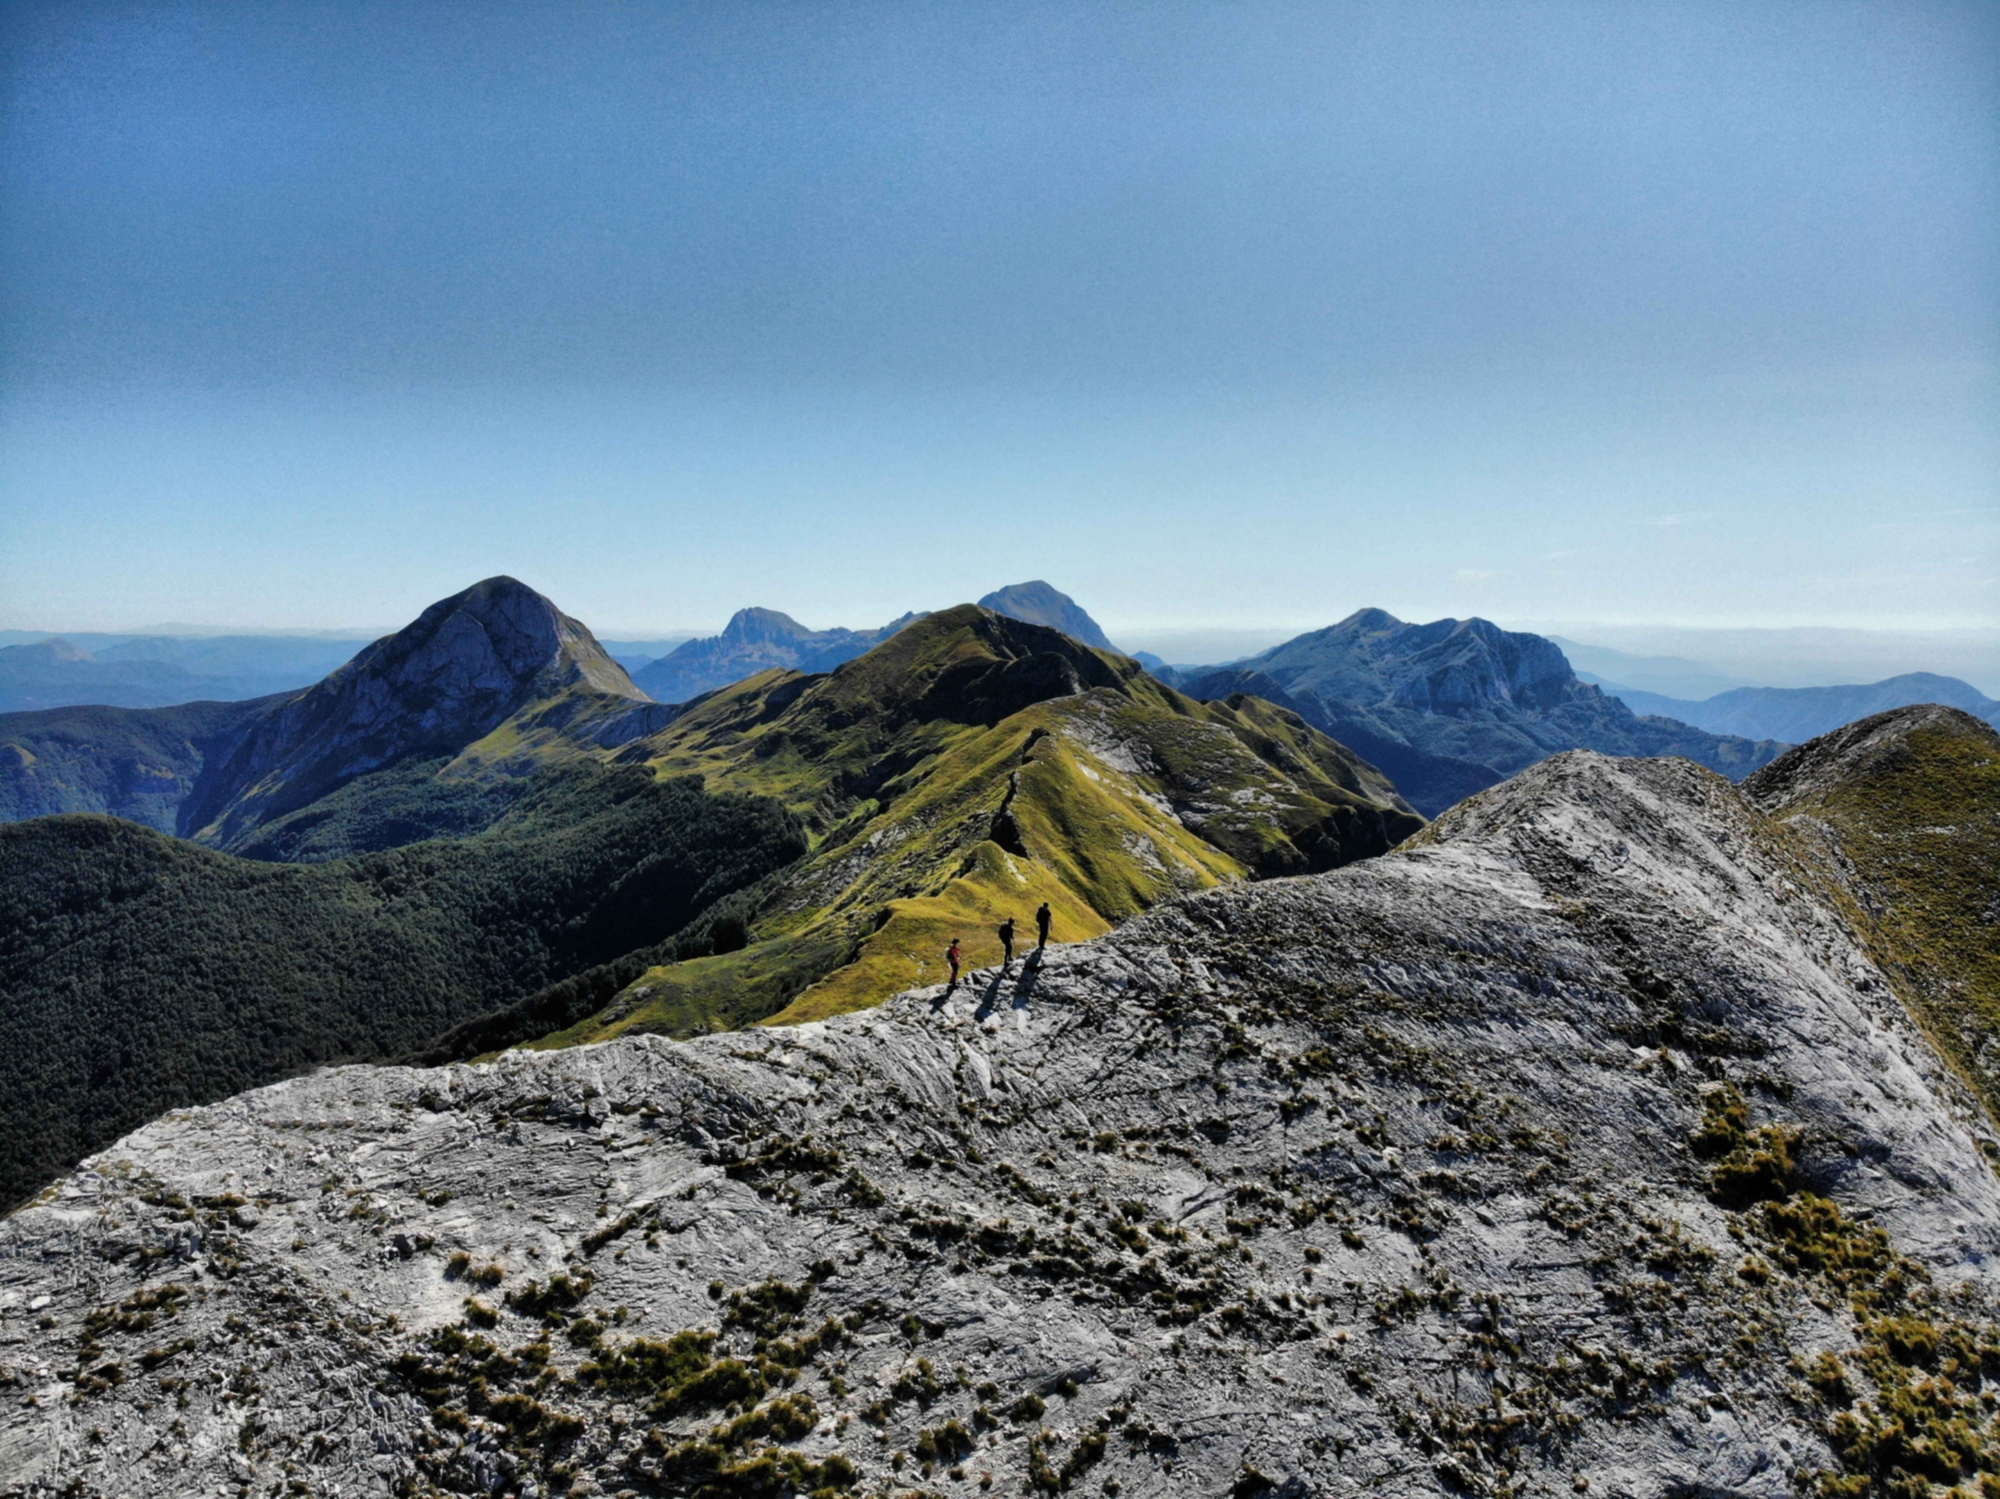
point(1024, 988)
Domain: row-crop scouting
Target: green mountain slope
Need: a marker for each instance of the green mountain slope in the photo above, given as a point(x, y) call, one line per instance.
point(1903, 811)
point(967, 770)
point(140, 972)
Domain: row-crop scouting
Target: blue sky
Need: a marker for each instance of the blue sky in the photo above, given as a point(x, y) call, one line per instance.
point(1223, 315)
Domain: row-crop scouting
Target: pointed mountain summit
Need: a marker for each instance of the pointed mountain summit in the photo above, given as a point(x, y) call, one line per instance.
point(464, 667)
point(1039, 604)
point(495, 657)
point(755, 640)
point(1454, 706)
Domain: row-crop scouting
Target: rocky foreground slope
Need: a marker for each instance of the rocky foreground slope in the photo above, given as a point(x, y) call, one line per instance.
point(1576, 1147)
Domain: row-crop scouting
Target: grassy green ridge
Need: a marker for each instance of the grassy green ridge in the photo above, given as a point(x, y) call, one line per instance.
point(140, 972)
point(1915, 816)
point(969, 769)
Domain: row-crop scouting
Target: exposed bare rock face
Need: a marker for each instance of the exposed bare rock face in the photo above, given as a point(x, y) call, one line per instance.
point(1574, 1147)
point(464, 666)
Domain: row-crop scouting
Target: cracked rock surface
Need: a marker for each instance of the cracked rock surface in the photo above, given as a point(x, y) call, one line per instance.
point(1507, 1162)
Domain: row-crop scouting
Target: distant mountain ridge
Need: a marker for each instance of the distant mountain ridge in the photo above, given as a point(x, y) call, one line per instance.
point(757, 640)
point(1797, 714)
point(754, 640)
point(155, 672)
point(1454, 706)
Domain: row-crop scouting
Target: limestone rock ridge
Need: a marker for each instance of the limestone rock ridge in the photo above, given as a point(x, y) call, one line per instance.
point(1577, 1144)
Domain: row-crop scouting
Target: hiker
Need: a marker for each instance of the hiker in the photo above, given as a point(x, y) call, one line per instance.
point(951, 957)
point(1006, 942)
point(1042, 927)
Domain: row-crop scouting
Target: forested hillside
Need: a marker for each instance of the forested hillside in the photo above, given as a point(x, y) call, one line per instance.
point(140, 972)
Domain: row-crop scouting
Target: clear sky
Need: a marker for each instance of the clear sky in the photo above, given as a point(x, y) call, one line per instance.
point(1224, 315)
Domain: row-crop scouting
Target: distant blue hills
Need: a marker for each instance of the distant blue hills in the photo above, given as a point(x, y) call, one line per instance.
point(1797, 714)
point(159, 671)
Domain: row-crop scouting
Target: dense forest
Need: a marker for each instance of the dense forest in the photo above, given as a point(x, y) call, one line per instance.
point(140, 972)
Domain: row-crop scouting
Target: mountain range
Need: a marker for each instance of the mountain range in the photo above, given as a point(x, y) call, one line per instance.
point(1454, 706)
point(158, 671)
point(818, 837)
point(481, 819)
point(432, 831)
point(757, 640)
point(1796, 714)
point(1598, 1139)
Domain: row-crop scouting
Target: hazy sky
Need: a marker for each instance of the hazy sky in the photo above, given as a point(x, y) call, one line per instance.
point(1229, 314)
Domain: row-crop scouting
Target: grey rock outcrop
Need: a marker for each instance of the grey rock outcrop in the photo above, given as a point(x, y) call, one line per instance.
point(1375, 1181)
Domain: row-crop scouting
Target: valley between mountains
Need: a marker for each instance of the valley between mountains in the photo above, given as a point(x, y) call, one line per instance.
point(1629, 1128)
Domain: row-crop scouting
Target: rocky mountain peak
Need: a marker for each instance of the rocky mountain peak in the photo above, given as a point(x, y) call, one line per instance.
point(1037, 603)
point(754, 640)
point(759, 625)
point(1368, 619)
point(1464, 663)
point(497, 639)
point(453, 675)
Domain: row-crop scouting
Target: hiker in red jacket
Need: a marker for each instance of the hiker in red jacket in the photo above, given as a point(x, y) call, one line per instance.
point(951, 957)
